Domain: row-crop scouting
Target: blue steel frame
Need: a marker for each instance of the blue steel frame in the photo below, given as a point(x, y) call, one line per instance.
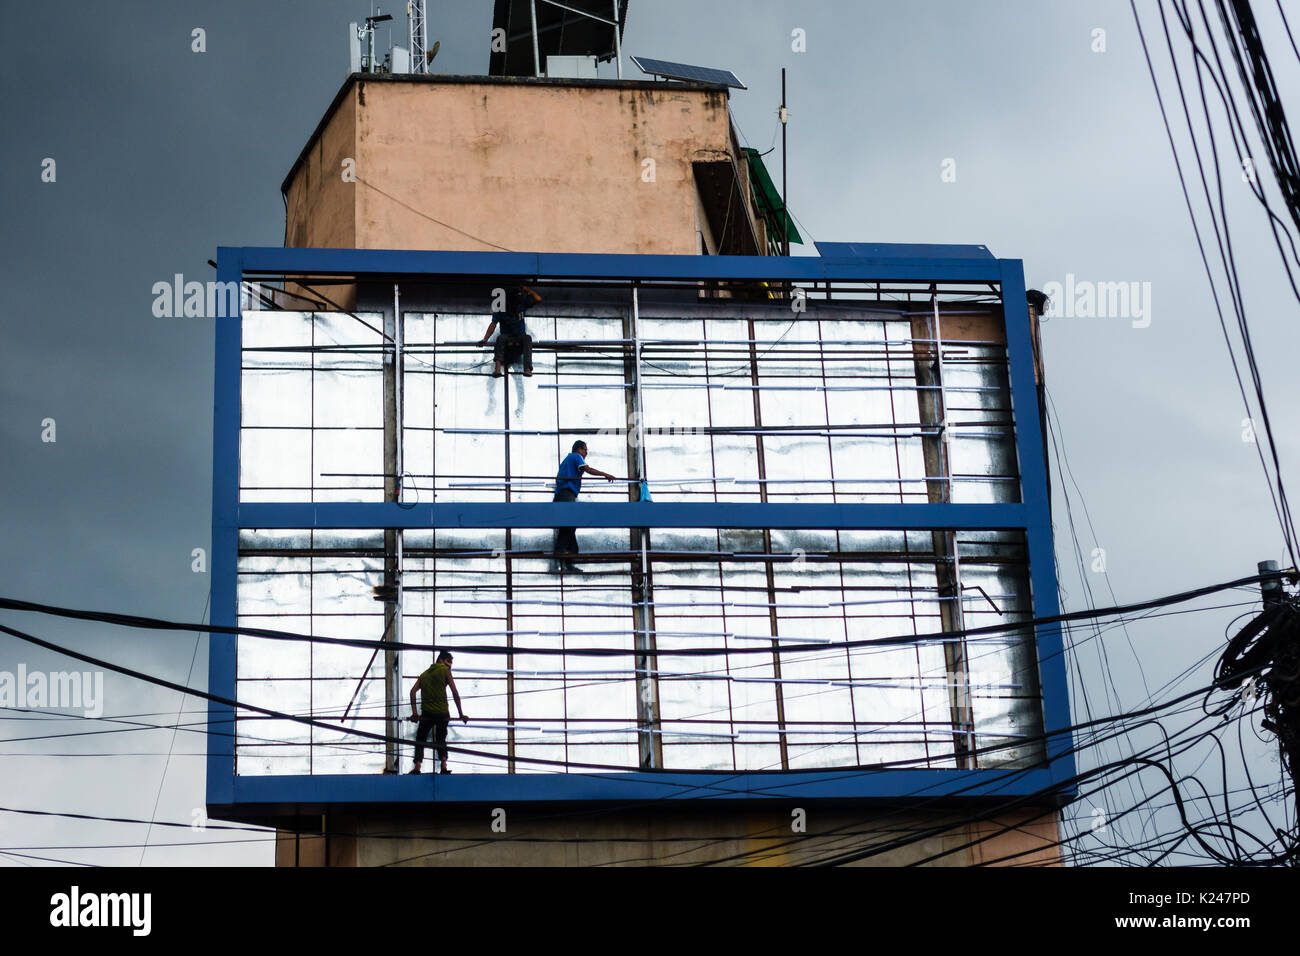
point(230, 793)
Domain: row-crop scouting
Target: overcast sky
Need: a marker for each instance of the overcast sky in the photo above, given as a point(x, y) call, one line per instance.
point(162, 154)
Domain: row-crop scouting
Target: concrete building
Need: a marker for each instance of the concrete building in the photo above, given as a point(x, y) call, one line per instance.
point(496, 164)
point(520, 163)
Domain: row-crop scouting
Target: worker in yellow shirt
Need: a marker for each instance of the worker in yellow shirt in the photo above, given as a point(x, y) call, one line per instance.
point(432, 686)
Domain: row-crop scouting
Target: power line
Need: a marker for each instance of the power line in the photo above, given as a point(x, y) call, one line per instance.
point(309, 721)
point(1226, 256)
point(149, 623)
point(162, 779)
point(600, 840)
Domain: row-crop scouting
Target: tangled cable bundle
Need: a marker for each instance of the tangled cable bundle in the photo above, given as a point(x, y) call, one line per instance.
point(1264, 657)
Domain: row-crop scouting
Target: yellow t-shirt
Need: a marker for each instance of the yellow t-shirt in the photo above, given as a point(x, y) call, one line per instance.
point(433, 689)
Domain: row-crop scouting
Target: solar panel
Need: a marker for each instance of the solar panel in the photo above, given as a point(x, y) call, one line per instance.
point(684, 71)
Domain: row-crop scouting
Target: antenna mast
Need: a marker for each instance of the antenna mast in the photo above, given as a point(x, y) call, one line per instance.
point(417, 22)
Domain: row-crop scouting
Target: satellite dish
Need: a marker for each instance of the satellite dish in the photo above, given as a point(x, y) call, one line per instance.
point(428, 57)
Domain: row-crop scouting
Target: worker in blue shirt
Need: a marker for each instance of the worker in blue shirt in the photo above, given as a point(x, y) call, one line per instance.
point(514, 343)
point(568, 482)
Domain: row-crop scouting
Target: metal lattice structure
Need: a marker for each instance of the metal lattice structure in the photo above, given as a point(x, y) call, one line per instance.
point(535, 30)
point(417, 23)
point(844, 480)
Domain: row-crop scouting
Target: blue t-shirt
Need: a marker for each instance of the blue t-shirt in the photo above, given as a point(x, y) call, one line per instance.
point(512, 322)
point(569, 476)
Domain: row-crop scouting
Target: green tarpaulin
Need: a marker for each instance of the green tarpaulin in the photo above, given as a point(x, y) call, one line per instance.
point(769, 200)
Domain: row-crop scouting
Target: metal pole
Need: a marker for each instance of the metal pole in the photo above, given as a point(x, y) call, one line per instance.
point(785, 207)
point(636, 367)
point(650, 744)
point(393, 537)
point(395, 660)
point(958, 663)
point(618, 46)
point(537, 57)
point(398, 368)
point(511, 741)
point(944, 434)
point(769, 574)
point(932, 407)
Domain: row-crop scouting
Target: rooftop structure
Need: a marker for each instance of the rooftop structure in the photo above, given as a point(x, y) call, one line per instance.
point(814, 579)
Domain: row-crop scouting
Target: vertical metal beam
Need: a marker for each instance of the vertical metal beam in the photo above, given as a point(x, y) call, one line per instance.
point(224, 558)
point(618, 45)
point(510, 585)
point(839, 540)
point(537, 57)
point(393, 660)
point(933, 410)
point(779, 688)
point(636, 371)
point(632, 405)
point(1035, 495)
point(399, 388)
point(957, 656)
point(649, 743)
point(392, 536)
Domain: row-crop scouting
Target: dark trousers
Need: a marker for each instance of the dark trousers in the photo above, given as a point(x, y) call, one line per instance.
point(438, 724)
point(566, 539)
point(509, 349)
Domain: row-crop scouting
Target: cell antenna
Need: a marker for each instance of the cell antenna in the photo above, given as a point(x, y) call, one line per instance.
point(418, 26)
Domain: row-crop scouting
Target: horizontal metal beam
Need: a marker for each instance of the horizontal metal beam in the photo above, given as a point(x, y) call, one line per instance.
point(276, 793)
point(264, 260)
point(550, 514)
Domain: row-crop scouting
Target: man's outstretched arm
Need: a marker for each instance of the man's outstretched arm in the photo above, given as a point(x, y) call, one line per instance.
point(456, 694)
point(488, 334)
point(415, 712)
point(587, 469)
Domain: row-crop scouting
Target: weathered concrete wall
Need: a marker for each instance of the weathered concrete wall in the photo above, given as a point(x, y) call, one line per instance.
point(678, 836)
point(525, 166)
point(321, 206)
point(1019, 839)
